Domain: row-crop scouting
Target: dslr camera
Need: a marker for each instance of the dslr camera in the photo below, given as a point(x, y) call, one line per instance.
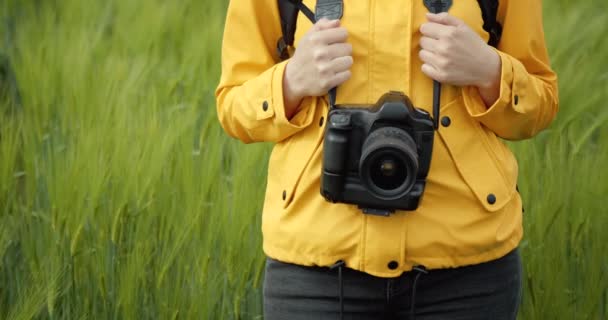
point(377, 156)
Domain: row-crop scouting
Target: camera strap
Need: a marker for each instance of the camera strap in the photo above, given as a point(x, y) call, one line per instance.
point(437, 6)
point(288, 9)
point(330, 10)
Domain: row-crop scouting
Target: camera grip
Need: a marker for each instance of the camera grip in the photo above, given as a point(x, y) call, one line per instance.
point(335, 153)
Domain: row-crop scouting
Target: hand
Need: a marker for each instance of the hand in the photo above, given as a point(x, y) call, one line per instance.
point(321, 61)
point(455, 54)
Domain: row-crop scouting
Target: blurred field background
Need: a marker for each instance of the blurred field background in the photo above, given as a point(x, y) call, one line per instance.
point(122, 198)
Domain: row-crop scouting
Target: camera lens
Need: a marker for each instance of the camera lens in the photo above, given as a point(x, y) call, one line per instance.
point(388, 167)
point(388, 173)
point(389, 163)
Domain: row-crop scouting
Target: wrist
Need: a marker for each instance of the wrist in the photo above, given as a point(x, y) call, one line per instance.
point(491, 74)
point(489, 85)
point(292, 96)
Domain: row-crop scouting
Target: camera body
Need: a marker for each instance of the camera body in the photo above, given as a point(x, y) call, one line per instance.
point(378, 156)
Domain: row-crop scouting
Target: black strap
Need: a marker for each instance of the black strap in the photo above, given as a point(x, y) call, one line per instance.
point(420, 270)
point(330, 10)
point(288, 10)
point(489, 11)
point(340, 265)
point(437, 6)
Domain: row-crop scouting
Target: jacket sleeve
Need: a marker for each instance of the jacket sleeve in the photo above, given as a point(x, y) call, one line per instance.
point(249, 97)
point(528, 100)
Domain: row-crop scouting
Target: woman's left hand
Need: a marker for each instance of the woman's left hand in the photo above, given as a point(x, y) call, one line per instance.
point(453, 53)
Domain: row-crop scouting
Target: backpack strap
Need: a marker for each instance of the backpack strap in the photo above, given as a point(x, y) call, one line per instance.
point(329, 9)
point(288, 10)
point(489, 11)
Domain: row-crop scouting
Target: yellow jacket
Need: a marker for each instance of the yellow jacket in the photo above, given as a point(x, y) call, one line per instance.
point(470, 211)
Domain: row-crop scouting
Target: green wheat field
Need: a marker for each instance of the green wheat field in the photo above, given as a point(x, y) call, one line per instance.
point(122, 198)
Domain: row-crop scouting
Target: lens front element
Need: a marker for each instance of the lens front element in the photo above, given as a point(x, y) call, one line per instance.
point(388, 172)
point(389, 163)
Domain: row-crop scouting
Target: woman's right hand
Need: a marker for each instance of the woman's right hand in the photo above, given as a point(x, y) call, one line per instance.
point(321, 61)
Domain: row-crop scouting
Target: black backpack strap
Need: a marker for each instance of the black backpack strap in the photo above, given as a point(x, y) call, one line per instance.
point(489, 11)
point(329, 9)
point(288, 10)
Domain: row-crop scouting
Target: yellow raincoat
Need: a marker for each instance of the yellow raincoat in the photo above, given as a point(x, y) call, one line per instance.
point(470, 211)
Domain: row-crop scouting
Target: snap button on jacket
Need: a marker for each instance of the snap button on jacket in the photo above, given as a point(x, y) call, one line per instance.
point(470, 212)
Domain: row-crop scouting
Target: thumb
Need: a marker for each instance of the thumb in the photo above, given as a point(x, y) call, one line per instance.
point(444, 18)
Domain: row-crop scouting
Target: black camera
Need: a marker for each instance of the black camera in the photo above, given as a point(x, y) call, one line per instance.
point(378, 156)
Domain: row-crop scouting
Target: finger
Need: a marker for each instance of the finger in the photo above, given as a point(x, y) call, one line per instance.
point(427, 57)
point(339, 78)
point(341, 64)
point(444, 18)
point(431, 72)
point(340, 50)
point(334, 35)
point(434, 73)
point(429, 44)
point(437, 62)
point(433, 30)
point(319, 25)
point(324, 24)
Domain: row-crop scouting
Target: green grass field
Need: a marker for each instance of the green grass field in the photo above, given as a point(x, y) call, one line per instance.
point(122, 198)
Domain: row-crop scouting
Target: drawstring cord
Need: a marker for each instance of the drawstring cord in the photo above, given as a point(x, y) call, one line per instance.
point(419, 270)
point(340, 264)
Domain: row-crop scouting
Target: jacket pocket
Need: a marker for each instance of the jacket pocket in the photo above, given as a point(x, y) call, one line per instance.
point(291, 157)
point(486, 167)
point(505, 159)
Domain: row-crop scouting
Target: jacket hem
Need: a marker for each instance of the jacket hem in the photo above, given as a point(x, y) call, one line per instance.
point(355, 262)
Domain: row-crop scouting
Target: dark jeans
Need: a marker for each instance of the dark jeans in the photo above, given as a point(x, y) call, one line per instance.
point(489, 290)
